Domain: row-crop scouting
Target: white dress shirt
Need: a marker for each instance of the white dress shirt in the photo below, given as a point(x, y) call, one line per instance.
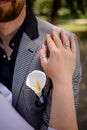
point(13, 114)
point(6, 93)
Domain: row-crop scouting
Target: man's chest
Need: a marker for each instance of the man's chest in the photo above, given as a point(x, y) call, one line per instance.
point(6, 68)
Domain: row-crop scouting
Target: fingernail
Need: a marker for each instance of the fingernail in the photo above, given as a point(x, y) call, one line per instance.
point(54, 28)
point(48, 35)
point(62, 30)
point(72, 37)
point(43, 46)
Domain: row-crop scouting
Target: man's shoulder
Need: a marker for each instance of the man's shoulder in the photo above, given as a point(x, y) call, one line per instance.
point(47, 27)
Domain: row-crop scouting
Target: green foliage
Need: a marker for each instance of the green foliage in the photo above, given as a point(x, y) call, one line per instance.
point(69, 9)
point(42, 6)
point(45, 6)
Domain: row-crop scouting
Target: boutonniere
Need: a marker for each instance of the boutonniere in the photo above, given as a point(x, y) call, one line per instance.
point(36, 81)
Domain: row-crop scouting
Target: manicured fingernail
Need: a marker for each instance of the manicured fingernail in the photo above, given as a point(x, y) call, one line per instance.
point(72, 37)
point(43, 46)
point(62, 30)
point(54, 28)
point(48, 35)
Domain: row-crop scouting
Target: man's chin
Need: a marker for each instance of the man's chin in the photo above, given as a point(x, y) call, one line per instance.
point(9, 12)
point(4, 1)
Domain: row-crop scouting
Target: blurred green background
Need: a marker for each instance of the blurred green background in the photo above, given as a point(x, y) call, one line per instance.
point(71, 15)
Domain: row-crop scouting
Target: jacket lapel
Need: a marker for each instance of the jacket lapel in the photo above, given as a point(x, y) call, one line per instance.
point(25, 55)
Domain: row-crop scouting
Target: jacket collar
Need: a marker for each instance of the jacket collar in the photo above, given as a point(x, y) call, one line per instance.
point(31, 23)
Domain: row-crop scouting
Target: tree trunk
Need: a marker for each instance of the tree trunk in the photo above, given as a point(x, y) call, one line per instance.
point(55, 7)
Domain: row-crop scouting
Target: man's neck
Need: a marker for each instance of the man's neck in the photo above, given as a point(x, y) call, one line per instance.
point(9, 29)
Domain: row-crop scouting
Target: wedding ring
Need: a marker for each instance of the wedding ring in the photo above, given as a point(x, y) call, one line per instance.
point(44, 56)
point(67, 45)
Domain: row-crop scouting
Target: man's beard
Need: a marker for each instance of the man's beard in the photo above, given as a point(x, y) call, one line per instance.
point(13, 12)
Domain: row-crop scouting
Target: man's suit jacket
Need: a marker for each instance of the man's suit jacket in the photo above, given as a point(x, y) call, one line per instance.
point(24, 99)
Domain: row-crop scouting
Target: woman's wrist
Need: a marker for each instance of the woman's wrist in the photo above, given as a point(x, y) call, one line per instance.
point(62, 82)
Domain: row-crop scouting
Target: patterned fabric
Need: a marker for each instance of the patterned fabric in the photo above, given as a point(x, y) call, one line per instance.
point(24, 99)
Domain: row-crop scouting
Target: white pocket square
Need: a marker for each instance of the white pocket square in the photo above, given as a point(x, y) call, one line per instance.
point(36, 81)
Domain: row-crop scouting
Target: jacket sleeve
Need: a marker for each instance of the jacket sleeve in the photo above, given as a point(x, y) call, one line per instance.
point(77, 74)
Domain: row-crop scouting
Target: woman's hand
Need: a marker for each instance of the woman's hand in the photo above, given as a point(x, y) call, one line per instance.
point(62, 59)
point(59, 66)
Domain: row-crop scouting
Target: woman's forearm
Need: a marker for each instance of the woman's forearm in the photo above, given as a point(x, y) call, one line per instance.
point(63, 116)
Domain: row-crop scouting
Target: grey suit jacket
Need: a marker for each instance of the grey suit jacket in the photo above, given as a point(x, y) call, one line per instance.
point(24, 99)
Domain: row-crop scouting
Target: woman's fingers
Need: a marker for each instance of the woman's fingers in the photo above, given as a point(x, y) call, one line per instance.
point(60, 56)
point(42, 55)
point(65, 40)
point(73, 45)
point(56, 38)
point(50, 43)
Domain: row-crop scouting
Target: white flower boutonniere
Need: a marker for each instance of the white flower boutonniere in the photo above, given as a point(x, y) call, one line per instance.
point(36, 81)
